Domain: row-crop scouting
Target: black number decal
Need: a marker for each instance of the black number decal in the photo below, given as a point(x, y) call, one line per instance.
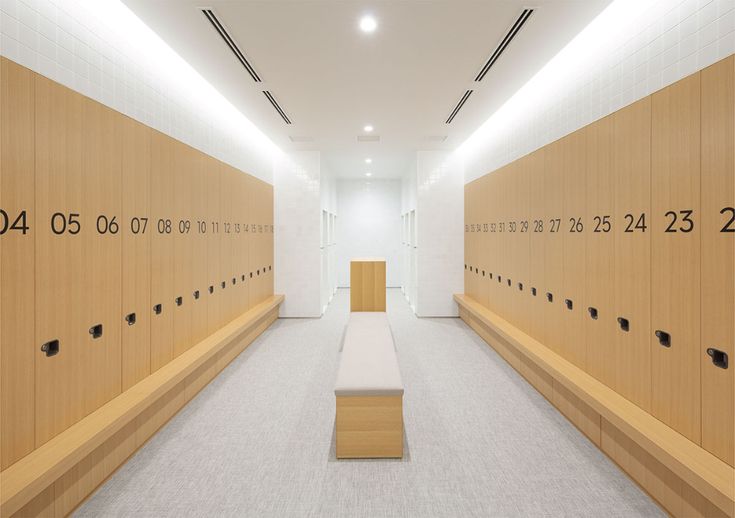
point(20, 222)
point(730, 225)
point(686, 218)
point(538, 225)
point(215, 227)
point(227, 228)
point(61, 223)
point(639, 225)
point(164, 226)
point(492, 227)
point(202, 225)
point(184, 226)
point(237, 228)
point(555, 224)
point(512, 226)
point(501, 227)
point(524, 226)
point(105, 225)
point(138, 225)
point(575, 225)
point(602, 224)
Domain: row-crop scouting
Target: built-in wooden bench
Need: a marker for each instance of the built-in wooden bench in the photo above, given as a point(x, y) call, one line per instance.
point(663, 462)
point(55, 477)
point(369, 391)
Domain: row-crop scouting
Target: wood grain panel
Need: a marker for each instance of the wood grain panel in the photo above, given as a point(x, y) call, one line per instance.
point(226, 293)
point(718, 258)
point(367, 284)
point(199, 272)
point(574, 208)
point(553, 247)
point(522, 237)
point(632, 166)
point(17, 262)
point(162, 250)
point(183, 245)
point(369, 427)
point(675, 270)
point(214, 301)
point(600, 252)
point(537, 249)
point(136, 228)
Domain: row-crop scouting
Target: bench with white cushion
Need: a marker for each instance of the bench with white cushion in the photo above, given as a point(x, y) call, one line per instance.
point(369, 391)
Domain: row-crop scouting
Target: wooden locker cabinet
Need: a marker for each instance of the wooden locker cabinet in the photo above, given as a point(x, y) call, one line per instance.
point(522, 236)
point(553, 248)
point(136, 228)
point(599, 307)
point(537, 251)
point(632, 259)
point(212, 171)
point(718, 257)
point(198, 217)
point(18, 345)
point(675, 256)
point(183, 246)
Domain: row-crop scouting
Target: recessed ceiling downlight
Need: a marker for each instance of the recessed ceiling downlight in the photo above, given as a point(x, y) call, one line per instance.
point(368, 23)
point(368, 128)
point(368, 160)
point(368, 174)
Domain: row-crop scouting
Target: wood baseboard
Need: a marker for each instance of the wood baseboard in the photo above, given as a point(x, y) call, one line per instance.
point(681, 476)
point(55, 478)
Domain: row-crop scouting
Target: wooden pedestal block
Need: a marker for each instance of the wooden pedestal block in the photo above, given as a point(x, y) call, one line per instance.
point(367, 284)
point(369, 427)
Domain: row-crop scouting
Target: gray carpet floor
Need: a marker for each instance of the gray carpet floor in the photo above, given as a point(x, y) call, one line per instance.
point(259, 440)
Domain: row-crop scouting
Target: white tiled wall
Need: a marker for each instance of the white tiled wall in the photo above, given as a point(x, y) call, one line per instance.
point(100, 49)
point(643, 52)
point(440, 229)
point(298, 230)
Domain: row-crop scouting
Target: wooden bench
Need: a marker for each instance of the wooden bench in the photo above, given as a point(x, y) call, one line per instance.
point(369, 391)
point(653, 454)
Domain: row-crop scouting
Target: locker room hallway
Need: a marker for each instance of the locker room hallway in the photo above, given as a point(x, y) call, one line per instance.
point(259, 440)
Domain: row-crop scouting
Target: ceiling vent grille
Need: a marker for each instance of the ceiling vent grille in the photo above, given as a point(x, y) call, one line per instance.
point(459, 106)
point(278, 108)
point(368, 138)
point(231, 43)
point(522, 19)
point(301, 138)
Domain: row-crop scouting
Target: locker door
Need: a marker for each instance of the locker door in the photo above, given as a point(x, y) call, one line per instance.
point(552, 291)
point(675, 191)
point(467, 256)
point(496, 180)
point(471, 259)
point(245, 265)
point(198, 296)
point(718, 257)
point(489, 243)
point(521, 235)
point(481, 241)
point(537, 252)
point(136, 229)
point(183, 247)
point(632, 260)
point(225, 244)
point(102, 258)
point(509, 250)
point(213, 177)
point(18, 225)
point(573, 227)
point(270, 240)
point(599, 306)
point(162, 251)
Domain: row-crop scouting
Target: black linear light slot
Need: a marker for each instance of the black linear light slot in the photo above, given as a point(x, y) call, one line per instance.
point(231, 43)
point(278, 108)
point(522, 19)
point(459, 106)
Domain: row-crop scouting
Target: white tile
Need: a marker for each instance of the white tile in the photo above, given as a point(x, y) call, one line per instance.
point(9, 7)
point(9, 26)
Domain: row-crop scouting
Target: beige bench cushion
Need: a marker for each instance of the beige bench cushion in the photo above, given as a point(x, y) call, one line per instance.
point(368, 365)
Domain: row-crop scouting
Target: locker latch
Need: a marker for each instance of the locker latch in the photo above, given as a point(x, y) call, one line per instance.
point(258, 271)
point(520, 286)
point(223, 284)
point(500, 278)
point(491, 275)
point(719, 358)
point(483, 273)
point(550, 296)
point(234, 280)
point(593, 313)
point(211, 290)
point(196, 294)
point(569, 303)
point(251, 275)
point(269, 268)
point(624, 324)
point(243, 278)
point(663, 338)
point(179, 300)
point(465, 266)
point(509, 283)
point(533, 291)
point(96, 331)
point(158, 309)
point(51, 348)
point(130, 319)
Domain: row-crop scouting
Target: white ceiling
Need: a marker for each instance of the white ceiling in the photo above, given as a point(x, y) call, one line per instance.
point(332, 79)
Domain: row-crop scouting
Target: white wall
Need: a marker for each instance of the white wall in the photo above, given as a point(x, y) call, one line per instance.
point(102, 50)
point(440, 233)
point(328, 195)
point(369, 224)
point(633, 49)
point(297, 217)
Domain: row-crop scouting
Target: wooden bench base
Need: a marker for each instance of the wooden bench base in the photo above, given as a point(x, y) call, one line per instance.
point(369, 427)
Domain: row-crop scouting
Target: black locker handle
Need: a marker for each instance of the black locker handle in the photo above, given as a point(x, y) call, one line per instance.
point(96, 331)
point(223, 284)
point(483, 273)
point(51, 348)
point(270, 267)
point(158, 309)
point(569, 303)
point(664, 338)
point(196, 294)
point(624, 324)
point(179, 301)
point(592, 312)
point(491, 275)
point(211, 290)
point(719, 358)
point(130, 319)
point(550, 296)
point(533, 291)
point(520, 286)
point(234, 280)
point(243, 278)
point(509, 283)
point(500, 278)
